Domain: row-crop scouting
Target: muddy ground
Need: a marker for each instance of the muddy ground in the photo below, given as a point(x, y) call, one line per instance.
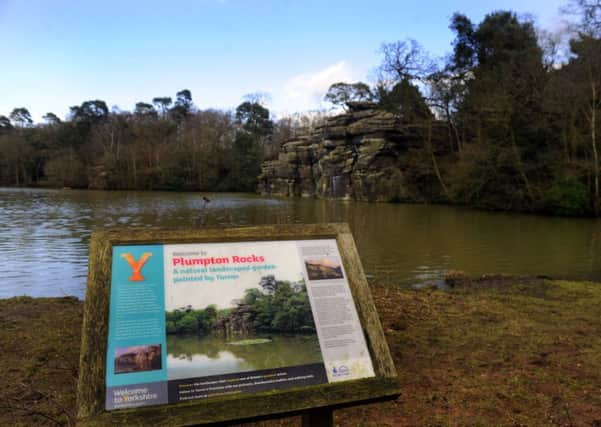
point(491, 351)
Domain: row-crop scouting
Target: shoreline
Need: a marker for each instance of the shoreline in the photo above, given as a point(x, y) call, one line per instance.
point(540, 213)
point(493, 350)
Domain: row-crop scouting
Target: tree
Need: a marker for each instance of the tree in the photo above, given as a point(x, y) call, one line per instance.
point(499, 66)
point(583, 73)
point(252, 295)
point(503, 38)
point(464, 45)
point(89, 111)
point(162, 104)
point(404, 60)
point(589, 14)
point(183, 106)
point(255, 129)
point(21, 117)
point(184, 99)
point(65, 169)
point(403, 63)
point(254, 118)
point(51, 119)
point(143, 109)
point(585, 70)
point(5, 124)
point(445, 89)
point(245, 162)
point(188, 323)
point(403, 99)
point(553, 48)
point(262, 98)
point(340, 93)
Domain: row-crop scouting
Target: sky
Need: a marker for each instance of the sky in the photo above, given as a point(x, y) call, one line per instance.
point(58, 53)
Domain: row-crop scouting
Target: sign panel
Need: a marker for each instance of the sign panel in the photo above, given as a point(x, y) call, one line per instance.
point(189, 327)
point(189, 321)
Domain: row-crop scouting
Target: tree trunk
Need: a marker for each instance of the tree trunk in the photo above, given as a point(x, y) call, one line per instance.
point(459, 142)
point(594, 147)
point(566, 149)
point(435, 163)
point(519, 164)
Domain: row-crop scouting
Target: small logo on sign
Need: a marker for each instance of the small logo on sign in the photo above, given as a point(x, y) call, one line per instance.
point(340, 371)
point(136, 266)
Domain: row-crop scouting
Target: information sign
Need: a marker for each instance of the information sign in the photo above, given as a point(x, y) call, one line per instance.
point(207, 316)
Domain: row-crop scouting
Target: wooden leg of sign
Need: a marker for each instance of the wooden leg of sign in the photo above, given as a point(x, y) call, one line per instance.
point(323, 417)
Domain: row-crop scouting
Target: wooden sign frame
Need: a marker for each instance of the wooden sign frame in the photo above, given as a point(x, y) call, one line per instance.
point(241, 407)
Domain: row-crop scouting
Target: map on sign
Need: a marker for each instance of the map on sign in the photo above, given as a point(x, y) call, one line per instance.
point(191, 321)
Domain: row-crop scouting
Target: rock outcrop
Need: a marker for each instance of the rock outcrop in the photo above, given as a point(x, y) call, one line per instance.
point(363, 154)
point(238, 322)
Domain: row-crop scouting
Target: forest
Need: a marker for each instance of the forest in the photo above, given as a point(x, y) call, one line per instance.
point(164, 145)
point(520, 105)
point(278, 307)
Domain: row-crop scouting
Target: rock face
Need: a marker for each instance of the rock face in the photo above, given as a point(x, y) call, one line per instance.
point(360, 155)
point(238, 322)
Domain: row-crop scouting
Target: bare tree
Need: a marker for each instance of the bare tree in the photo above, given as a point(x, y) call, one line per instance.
point(588, 13)
point(554, 45)
point(404, 60)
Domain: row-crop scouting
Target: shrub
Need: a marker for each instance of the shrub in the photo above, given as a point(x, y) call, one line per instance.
point(567, 197)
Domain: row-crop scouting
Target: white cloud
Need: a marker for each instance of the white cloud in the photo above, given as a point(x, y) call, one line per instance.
point(306, 91)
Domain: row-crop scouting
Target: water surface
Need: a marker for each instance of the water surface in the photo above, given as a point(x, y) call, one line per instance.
point(44, 235)
point(192, 356)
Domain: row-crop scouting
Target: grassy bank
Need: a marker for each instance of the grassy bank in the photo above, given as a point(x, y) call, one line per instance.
point(496, 351)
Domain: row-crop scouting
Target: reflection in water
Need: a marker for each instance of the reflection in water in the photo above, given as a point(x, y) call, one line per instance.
point(191, 356)
point(44, 235)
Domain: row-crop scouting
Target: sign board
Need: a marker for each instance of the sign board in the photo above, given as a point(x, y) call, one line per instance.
point(214, 325)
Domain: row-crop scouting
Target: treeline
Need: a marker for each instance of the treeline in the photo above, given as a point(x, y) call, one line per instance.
point(521, 107)
point(194, 321)
point(285, 309)
point(280, 307)
point(164, 145)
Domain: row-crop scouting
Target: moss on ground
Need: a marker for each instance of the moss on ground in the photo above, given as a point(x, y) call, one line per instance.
point(39, 339)
point(496, 351)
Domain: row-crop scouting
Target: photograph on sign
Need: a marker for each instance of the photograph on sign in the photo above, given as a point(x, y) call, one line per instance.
point(137, 358)
point(195, 320)
point(323, 269)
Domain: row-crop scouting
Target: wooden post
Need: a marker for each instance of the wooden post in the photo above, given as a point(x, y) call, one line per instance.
point(321, 417)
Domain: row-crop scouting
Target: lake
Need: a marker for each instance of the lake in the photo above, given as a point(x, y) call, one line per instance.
point(44, 235)
point(192, 356)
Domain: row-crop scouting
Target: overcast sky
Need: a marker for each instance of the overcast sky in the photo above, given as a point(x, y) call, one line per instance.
point(58, 53)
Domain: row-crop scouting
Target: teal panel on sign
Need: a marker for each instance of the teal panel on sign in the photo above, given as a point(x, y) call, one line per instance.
point(136, 341)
